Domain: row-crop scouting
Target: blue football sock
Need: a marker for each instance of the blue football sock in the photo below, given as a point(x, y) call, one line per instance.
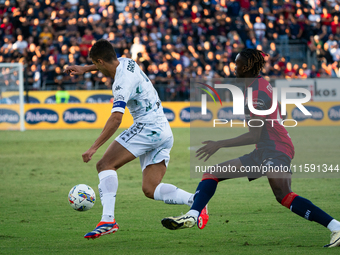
point(205, 190)
point(309, 211)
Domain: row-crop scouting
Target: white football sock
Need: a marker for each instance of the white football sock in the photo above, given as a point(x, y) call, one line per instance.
point(108, 185)
point(170, 194)
point(194, 213)
point(334, 225)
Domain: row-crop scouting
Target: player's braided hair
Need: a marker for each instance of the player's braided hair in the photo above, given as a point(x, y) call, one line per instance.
point(255, 60)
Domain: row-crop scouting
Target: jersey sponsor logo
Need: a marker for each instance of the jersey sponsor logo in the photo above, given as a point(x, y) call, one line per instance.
point(334, 113)
point(99, 98)
point(29, 99)
point(121, 104)
point(189, 114)
point(9, 116)
point(51, 100)
point(169, 114)
point(131, 66)
point(37, 115)
point(317, 113)
point(74, 115)
point(258, 103)
point(227, 113)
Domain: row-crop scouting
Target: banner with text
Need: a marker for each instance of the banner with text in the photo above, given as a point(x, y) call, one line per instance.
point(179, 114)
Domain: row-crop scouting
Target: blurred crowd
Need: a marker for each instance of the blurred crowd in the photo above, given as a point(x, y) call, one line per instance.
point(171, 40)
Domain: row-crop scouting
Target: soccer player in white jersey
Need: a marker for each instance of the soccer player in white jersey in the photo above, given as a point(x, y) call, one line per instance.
point(149, 138)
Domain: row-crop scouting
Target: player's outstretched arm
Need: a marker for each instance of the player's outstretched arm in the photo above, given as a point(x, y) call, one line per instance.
point(79, 70)
point(251, 137)
point(110, 128)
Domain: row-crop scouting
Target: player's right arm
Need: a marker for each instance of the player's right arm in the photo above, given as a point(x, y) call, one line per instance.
point(121, 93)
point(79, 70)
point(111, 126)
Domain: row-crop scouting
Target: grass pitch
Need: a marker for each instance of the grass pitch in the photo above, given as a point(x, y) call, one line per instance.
point(38, 168)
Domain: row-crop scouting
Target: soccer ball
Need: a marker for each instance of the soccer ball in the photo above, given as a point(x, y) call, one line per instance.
point(81, 197)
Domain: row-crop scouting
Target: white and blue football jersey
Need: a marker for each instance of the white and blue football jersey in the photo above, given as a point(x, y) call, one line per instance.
point(134, 90)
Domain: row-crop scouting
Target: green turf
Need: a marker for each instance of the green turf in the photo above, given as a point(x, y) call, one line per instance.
point(38, 168)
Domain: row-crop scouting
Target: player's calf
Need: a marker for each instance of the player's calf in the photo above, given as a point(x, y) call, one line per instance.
point(306, 209)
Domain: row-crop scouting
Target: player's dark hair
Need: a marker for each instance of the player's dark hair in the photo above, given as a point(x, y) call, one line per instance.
point(103, 50)
point(255, 60)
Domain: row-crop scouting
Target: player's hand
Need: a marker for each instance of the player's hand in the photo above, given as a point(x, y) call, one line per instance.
point(87, 156)
point(74, 70)
point(206, 151)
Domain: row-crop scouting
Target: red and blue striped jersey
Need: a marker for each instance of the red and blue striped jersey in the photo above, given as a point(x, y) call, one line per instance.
point(274, 136)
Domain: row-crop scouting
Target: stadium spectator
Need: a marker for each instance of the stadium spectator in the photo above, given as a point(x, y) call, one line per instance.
point(46, 35)
point(20, 44)
point(259, 28)
point(193, 34)
point(34, 77)
point(136, 47)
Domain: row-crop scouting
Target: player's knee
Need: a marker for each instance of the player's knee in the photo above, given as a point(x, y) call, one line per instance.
point(148, 192)
point(101, 165)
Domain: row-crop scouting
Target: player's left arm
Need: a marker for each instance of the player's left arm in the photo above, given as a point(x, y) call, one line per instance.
point(261, 101)
point(110, 128)
point(251, 137)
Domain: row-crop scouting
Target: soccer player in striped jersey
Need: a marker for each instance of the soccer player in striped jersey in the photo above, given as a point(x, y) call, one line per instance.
point(273, 148)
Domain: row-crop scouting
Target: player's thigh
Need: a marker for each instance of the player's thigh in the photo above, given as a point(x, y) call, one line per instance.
point(154, 164)
point(114, 157)
point(229, 169)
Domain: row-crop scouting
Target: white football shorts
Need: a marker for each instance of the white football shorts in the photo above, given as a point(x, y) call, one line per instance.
point(150, 142)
